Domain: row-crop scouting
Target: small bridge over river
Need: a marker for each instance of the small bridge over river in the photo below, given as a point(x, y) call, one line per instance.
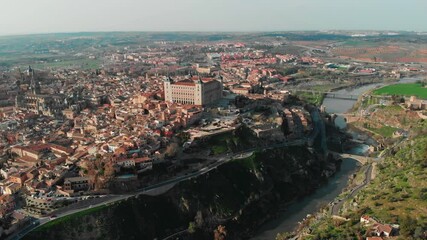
point(348, 117)
point(361, 159)
point(329, 94)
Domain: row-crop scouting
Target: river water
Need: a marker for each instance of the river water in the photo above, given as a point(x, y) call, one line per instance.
point(341, 106)
point(327, 193)
point(309, 204)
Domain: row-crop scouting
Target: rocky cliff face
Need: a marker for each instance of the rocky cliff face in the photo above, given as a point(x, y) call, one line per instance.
point(239, 195)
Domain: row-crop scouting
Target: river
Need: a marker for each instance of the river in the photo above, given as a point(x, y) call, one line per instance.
point(327, 193)
point(309, 204)
point(341, 106)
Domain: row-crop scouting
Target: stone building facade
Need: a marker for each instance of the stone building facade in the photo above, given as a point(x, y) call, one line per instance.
point(198, 92)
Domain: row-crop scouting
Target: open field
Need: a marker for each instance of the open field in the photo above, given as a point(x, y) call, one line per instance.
point(385, 131)
point(408, 89)
point(76, 63)
point(360, 43)
point(380, 52)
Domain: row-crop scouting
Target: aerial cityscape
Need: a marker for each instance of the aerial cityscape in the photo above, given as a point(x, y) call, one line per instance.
point(163, 130)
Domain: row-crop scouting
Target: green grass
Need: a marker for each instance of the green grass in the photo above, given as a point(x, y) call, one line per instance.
point(219, 143)
point(249, 162)
point(385, 131)
point(400, 183)
point(392, 108)
point(238, 140)
point(370, 101)
point(219, 149)
point(397, 195)
point(407, 89)
point(315, 99)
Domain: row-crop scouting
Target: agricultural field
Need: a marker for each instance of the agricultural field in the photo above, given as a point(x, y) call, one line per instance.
point(359, 43)
point(373, 52)
point(409, 89)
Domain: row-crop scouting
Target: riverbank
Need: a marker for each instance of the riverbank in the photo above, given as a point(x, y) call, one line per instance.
point(394, 197)
point(358, 181)
point(288, 220)
point(316, 203)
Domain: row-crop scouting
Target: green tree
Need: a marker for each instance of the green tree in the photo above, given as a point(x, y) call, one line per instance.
point(191, 227)
point(419, 233)
point(407, 226)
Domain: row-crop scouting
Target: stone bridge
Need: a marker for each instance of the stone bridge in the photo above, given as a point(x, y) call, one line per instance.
point(348, 117)
point(361, 159)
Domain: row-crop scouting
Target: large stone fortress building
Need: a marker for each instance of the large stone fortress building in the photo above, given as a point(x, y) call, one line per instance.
point(193, 91)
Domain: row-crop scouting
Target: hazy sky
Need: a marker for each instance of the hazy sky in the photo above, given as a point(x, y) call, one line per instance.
point(43, 16)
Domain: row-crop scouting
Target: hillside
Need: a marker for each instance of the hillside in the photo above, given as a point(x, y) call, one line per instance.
point(397, 196)
point(239, 195)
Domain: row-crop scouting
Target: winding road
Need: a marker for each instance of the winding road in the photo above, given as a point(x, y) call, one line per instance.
point(338, 203)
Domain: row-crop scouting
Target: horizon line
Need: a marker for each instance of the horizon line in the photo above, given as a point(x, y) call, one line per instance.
point(204, 31)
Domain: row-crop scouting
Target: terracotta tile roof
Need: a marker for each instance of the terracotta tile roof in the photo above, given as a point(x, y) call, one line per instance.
point(185, 83)
point(383, 228)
